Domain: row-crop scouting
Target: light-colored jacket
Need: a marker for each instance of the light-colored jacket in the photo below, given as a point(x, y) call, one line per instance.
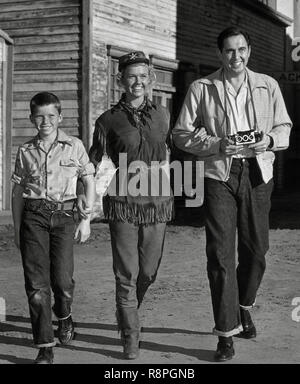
point(204, 107)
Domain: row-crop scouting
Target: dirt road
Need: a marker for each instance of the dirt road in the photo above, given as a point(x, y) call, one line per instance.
point(176, 316)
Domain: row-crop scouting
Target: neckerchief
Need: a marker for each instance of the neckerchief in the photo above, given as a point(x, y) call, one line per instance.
point(136, 116)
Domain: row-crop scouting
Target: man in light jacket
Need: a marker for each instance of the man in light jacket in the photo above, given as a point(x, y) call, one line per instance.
point(234, 119)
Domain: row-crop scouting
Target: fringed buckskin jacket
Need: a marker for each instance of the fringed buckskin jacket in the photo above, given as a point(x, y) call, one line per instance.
point(142, 135)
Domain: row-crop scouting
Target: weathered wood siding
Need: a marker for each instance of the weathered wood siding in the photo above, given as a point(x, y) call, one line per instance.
point(47, 57)
point(183, 30)
point(200, 22)
point(133, 24)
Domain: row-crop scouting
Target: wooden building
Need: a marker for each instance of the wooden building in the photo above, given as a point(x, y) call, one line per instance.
point(71, 48)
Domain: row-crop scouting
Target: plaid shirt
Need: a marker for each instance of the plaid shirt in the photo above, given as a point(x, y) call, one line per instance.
point(51, 175)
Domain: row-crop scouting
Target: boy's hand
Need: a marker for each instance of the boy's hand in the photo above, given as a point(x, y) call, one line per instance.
point(83, 209)
point(83, 231)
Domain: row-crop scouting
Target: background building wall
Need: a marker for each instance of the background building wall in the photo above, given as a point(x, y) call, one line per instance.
point(179, 30)
point(132, 25)
point(47, 46)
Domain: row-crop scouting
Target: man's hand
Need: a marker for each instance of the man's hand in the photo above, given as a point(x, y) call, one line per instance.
point(262, 145)
point(83, 209)
point(83, 231)
point(228, 147)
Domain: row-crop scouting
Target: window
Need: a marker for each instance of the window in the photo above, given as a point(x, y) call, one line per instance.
point(164, 89)
point(114, 91)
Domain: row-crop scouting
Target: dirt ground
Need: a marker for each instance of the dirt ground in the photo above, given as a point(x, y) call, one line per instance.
point(176, 316)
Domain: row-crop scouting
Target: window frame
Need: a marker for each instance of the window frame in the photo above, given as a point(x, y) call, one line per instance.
point(113, 53)
point(164, 90)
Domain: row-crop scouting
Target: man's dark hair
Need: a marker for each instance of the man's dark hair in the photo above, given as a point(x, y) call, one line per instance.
point(231, 31)
point(44, 98)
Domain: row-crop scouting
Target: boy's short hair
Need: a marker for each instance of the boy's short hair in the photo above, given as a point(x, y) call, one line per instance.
point(44, 98)
point(232, 31)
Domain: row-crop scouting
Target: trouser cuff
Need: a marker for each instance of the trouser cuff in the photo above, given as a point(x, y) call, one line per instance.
point(53, 344)
point(63, 318)
point(233, 332)
point(247, 307)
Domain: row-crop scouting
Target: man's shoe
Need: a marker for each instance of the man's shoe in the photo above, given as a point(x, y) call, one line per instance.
point(249, 330)
point(224, 351)
point(65, 331)
point(45, 356)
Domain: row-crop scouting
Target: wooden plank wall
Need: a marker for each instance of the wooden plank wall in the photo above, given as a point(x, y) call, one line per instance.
point(47, 56)
point(130, 24)
point(183, 30)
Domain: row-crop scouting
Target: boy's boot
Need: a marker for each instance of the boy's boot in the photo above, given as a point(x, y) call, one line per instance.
point(128, 324)
point(45, 356)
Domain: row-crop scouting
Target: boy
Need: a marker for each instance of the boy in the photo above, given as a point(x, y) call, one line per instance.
point(44, 195)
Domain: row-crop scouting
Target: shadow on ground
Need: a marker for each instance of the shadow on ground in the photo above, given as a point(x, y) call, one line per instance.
point(18, 339)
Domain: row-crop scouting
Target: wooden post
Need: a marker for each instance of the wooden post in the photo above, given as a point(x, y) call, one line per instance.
point(8, 128)
point(87, 48)
point(7, 120)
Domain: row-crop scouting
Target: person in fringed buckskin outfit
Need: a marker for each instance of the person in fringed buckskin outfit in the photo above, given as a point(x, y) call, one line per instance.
point(139, 129)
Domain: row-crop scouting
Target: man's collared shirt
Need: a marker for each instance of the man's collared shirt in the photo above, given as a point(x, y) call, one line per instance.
point(51, 175)
point(204, 107)
point(239, 108)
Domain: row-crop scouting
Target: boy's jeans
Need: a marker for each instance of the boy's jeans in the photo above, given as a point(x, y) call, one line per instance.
point(46, 242)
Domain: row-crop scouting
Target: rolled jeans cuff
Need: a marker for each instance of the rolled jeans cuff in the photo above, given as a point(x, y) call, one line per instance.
point(247, 307)
point(53, 344)
point(233, 332)
point(64, 318)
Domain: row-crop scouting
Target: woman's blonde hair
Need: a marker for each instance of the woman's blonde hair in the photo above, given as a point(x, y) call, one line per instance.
point(152, 75)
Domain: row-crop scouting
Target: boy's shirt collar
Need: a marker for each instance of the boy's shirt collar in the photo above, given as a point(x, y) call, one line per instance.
point(61, 137)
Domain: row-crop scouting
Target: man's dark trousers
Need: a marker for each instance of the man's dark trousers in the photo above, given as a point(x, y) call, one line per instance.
point(241, 205)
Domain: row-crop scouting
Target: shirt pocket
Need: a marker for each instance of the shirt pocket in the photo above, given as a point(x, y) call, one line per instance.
point(70, 168)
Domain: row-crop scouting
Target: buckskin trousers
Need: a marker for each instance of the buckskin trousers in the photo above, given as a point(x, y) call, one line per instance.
point(238, 208)
point(46, 242)
point(137, 252)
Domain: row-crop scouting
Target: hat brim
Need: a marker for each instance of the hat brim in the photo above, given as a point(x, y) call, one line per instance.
point(135, 61)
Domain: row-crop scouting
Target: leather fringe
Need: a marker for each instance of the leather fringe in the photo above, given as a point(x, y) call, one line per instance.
point(149, 213)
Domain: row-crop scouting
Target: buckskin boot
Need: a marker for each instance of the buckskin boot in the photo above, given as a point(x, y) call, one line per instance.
point(128, 324)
